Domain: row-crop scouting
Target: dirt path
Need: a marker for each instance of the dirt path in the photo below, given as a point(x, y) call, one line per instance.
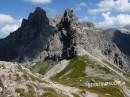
point(56, 69)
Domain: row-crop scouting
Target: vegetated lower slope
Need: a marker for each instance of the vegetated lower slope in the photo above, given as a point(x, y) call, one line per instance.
point(81, 70)
point(85, 69)
point(41, 67)
point(17, 81)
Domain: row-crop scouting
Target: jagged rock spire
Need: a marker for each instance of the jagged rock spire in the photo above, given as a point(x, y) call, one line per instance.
point(67, 34)
point(68, 15)
point(38, 18)
point(66, 20)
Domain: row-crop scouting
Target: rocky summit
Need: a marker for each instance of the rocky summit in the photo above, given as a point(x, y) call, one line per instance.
point(40, 38)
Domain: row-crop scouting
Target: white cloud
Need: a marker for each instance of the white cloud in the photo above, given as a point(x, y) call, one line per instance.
point(120, 20)
point(82, 4)
point(39, 1)
point(79, 6)
point(108, 5)
point(6, 19)
point(83, 19)
point(8, 24)
point(9, 28)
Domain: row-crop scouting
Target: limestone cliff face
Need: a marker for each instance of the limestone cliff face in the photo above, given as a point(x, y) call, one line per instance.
point(41, 38)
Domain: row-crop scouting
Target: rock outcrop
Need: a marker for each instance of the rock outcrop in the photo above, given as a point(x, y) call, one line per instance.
point(68, 34)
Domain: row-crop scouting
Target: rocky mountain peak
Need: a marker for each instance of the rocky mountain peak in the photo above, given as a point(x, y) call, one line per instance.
point(67, 34)
point(30, 39)
point(38, 18)
point(34, 27)
point(68, 14)
point(66, 20)
point(39, 10)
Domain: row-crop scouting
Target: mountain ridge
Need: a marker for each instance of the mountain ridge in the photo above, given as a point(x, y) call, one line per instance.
point(37, 39)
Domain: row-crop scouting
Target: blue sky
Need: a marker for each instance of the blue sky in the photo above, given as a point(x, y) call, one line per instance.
point(104, 13)
point(21, 8)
